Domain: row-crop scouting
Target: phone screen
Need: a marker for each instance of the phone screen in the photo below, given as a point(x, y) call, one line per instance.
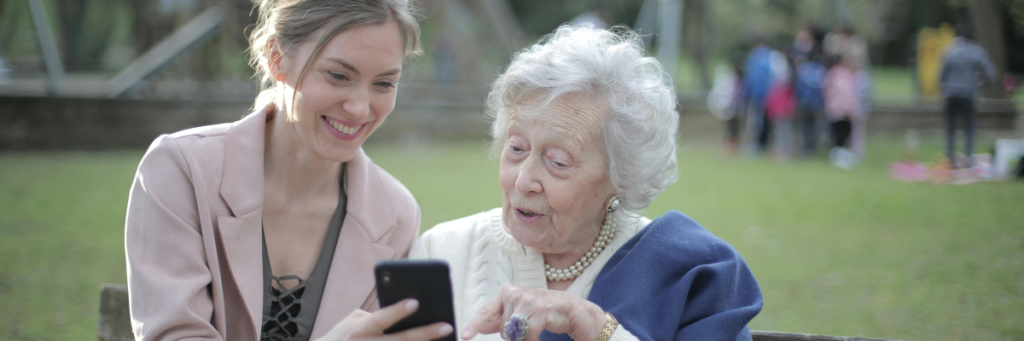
point(427, 281)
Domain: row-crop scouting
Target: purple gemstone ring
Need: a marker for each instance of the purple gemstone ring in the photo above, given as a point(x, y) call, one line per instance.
point(515, 328)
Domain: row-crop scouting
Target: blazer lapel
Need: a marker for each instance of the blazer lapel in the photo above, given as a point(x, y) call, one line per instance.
point(367, 199)
point(242, 190)
point(350, 281)
point(242, 182)
point(242, 243)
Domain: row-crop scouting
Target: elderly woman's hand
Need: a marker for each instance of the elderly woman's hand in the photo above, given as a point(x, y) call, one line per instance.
point(559, 312)
point(361, 325)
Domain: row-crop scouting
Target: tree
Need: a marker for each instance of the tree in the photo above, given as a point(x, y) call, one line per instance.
point(1017, 12)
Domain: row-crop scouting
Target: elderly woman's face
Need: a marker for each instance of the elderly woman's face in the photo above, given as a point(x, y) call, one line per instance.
point(554, 174)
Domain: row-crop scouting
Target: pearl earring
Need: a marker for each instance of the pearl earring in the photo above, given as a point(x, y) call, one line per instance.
point(613, 204)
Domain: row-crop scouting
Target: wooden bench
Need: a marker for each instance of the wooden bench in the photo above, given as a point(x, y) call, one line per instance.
point(115, 323)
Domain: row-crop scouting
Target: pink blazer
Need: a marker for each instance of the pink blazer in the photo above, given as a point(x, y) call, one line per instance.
point(193, 236)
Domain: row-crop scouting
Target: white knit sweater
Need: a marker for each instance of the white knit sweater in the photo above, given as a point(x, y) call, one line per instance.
point(482, 256)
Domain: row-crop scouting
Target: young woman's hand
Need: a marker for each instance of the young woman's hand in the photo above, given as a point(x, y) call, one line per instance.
point(361, 325)
point(557, 311)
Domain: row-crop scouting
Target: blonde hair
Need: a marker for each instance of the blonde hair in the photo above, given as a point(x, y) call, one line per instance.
point(288, 23)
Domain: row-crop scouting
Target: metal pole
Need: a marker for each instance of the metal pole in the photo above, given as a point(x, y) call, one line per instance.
point(921, 14)
point(3, 69)
point(646, 21)
point(670, 23)
point(54, 67)
point(503, 21)
point(202, 27)
point(842, 12)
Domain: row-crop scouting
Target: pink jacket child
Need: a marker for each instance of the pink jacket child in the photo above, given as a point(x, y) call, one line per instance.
point(842, 101)
point(841, 96)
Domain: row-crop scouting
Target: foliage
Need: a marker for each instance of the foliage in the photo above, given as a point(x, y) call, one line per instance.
point(542, 17)
point(1017, 13)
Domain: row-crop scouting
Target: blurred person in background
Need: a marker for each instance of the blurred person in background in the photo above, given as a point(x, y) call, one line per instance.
point(726, 101)
point(446, 57)
point(844, 42)
point(268, 228)
point(757, 81)
point(803, 43)
point(852, 49)
point(965, 67)
point(585, 128)
point(738, 106)
point(843, 108)
point(780, 105)
point(809, 74)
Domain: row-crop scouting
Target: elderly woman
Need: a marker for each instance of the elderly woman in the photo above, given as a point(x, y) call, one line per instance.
point(584, 126)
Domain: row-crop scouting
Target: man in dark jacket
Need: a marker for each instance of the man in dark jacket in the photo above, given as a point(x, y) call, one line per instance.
point(965, 67)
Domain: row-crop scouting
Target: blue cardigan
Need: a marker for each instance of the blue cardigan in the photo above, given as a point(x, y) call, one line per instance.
point(674, 280)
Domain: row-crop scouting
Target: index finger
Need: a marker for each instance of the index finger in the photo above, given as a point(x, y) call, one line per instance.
point(486, 321)
point(386, 317)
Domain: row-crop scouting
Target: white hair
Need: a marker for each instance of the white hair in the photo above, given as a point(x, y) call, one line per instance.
point(640, 132)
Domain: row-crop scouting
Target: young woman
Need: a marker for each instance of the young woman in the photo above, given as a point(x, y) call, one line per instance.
point(268, 228)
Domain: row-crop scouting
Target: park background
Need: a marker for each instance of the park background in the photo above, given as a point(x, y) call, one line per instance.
point(835, 252)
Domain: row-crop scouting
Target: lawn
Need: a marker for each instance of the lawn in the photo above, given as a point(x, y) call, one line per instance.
point(841, 253)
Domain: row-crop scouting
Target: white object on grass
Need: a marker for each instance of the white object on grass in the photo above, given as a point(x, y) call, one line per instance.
point(1007, 150)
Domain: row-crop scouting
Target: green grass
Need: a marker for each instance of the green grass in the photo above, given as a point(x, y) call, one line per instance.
point(892, 86)
point(62, 228)
point(840, 253)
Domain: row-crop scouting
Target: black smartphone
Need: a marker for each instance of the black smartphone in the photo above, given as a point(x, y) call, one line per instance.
point(427, 281)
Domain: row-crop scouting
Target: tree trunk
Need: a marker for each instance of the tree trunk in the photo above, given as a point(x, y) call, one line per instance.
point(987, 20)
point(696, 33)
point(10, 22)
point(71, 18)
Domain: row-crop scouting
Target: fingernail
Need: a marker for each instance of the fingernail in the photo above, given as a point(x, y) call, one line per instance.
point(445, 330)
point(412, 304)
point(466, 335)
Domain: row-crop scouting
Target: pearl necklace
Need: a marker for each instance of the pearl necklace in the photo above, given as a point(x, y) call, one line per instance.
point(605, 237)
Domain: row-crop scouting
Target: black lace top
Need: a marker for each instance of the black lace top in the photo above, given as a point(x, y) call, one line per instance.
point(290, 315)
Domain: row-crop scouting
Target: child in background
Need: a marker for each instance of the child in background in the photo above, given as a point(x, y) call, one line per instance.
point(843, 108)
point(780, 104)
point(757, 81)
point(726, 101)
point(810, 75)
point(739, 105)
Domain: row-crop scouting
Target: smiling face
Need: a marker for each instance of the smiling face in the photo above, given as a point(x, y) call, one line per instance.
point(348, 89)
point(554, 174)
